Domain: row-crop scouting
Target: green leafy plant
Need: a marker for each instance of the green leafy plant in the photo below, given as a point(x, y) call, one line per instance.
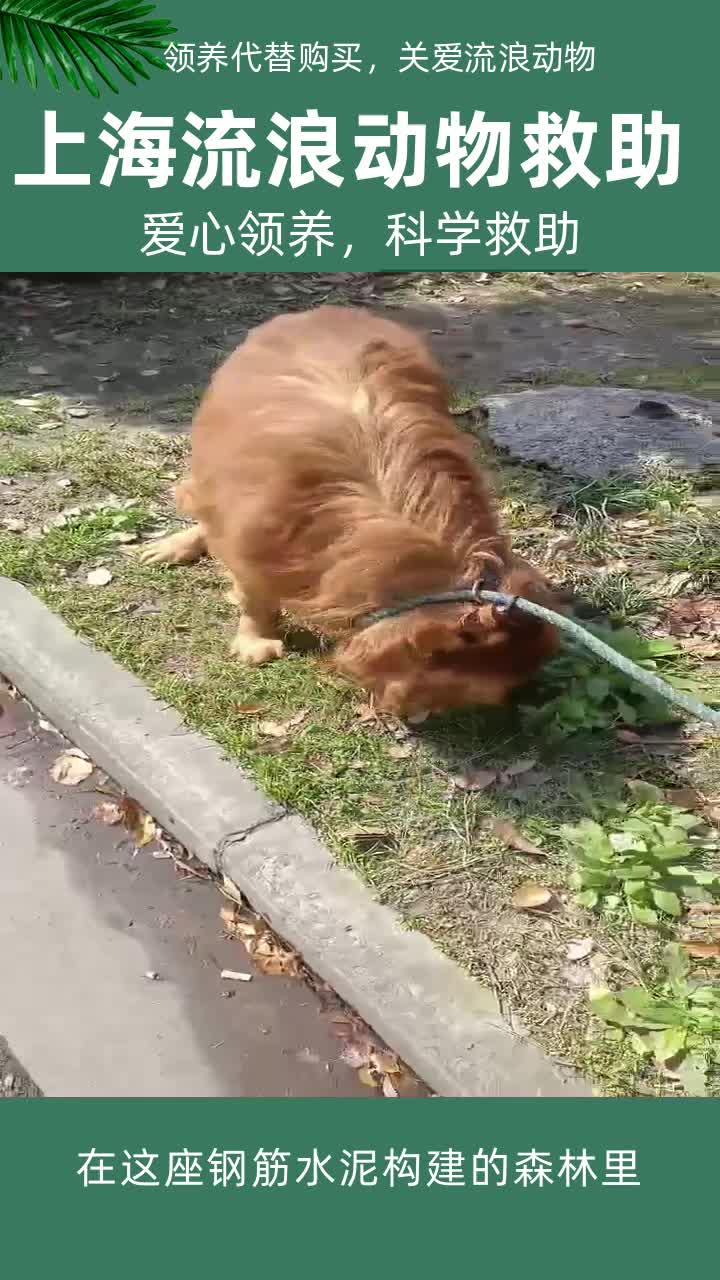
point(581, 694)
point(80, 40)
point(643, 859)
point(678, 1024)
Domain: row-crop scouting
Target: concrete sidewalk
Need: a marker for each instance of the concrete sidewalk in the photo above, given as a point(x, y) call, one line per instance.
point(83, 919)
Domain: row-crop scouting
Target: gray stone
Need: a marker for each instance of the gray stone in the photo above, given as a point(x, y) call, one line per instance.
point(591, 431)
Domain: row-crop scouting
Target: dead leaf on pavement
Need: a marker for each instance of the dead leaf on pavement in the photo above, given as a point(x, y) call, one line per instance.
point(514, 839)
point(366, 1077)
point(71, 767)
point(702, 950)
point(231, 891)
point(269, 955)
point(109, 813)
point(385, 1062)
point(355, 1055)
point(529, 896)
point(273, 959)
point(139, 825)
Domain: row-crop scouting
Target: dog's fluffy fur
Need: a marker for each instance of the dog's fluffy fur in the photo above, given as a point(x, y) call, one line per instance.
point(329, 478)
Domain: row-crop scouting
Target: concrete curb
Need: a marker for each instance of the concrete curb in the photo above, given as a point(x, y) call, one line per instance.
point(445, 1025)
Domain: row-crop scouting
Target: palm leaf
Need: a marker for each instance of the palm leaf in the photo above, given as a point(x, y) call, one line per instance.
point(81, 40)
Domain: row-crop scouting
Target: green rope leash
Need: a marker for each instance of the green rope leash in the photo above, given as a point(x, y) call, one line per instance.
point(476, 595)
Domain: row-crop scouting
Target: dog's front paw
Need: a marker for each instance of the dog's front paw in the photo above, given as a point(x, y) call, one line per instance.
point(155, 553)
point(255, 650)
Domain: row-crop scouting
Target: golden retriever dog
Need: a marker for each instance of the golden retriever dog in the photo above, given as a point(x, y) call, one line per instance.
point(330, 480)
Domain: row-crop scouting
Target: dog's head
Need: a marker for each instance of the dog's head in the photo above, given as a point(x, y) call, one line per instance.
point(441, 657)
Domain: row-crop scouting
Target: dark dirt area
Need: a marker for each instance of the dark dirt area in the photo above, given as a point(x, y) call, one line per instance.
point(137, 350)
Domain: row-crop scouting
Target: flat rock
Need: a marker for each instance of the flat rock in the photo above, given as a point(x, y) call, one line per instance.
point(590, 431)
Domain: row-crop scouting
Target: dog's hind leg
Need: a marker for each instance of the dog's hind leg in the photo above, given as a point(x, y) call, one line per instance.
point(184, 547)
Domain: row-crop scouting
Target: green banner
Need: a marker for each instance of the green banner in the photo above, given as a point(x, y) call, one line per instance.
point(391, 138)
point(121, 1187)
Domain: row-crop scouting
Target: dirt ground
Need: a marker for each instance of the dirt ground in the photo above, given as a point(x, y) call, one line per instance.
point(137, 350)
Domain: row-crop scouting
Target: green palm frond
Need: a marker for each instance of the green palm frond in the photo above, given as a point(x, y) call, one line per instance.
point(81, 39)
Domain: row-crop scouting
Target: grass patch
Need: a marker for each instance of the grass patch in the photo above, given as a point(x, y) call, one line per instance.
point(693, 380)
point(693, 547)
point(658, 489)
point(16, 460)
point(616, 595)
point(20, 420)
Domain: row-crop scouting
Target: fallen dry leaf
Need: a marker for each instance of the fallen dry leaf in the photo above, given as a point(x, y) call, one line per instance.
point(387, 1063)
point(356, 1055)
point(529, 896)
point(702, 950)
point(474, 779)
point(366, 1077)
point(268, 954)
point(368, 838)
point(579, 949)
point(272, 958)
point(137, 822)
point(99, 577)
point(70, 768)
point(109, 813)
point(401, 751)
point(690, 615)
point(514, 839)
point(281, 728)
point(248, 708)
